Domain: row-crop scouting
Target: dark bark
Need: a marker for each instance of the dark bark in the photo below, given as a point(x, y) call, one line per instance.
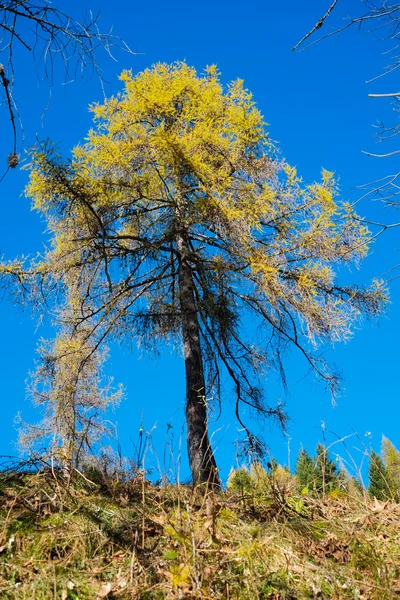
point(201, 458)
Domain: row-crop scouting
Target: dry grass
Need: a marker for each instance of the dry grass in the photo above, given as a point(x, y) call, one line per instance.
point(131, 539)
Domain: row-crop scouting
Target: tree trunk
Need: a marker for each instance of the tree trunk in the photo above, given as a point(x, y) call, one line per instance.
point(201, 458)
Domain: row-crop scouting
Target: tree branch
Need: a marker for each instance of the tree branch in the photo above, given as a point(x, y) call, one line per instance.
point(317, 26)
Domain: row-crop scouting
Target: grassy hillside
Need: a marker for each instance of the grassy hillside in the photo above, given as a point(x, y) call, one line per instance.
point(108, 538)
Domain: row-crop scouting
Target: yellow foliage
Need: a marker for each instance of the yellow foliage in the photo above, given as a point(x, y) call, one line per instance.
point(180, 576)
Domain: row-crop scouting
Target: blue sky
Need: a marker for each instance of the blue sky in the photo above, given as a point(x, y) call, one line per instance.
point(317, 106)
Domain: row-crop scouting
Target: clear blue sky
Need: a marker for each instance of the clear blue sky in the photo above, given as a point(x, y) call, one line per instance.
point(317, 105)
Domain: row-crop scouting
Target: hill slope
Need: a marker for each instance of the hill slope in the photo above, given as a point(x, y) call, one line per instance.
point(132, 539)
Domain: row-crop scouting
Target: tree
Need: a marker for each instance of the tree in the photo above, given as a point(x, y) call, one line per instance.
point(305, 471)
point(70, 387)
point(51, 36)
point(241, 480)
point(178, 220)
point(327, 476)
point(318, 473)
point(391, 459)
point(378, 478)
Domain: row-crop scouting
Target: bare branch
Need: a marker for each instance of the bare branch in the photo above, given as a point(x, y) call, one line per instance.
point(396, 94)
point(317, 26)
point(48, 34)
point(381, 155)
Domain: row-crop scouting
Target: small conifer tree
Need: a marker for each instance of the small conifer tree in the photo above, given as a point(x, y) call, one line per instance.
point(379, 487)
point(327, 475)
point(318, 474)
point(240, 480)
point(305, 471)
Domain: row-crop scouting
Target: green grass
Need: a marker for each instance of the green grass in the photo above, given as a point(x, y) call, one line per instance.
point(136, 540)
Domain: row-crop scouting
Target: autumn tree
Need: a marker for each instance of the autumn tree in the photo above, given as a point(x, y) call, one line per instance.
point(391, 459)
point(72, 392)
point(178, 220)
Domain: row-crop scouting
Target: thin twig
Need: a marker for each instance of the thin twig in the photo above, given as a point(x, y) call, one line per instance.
point(381, 155)
point(317, 26)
